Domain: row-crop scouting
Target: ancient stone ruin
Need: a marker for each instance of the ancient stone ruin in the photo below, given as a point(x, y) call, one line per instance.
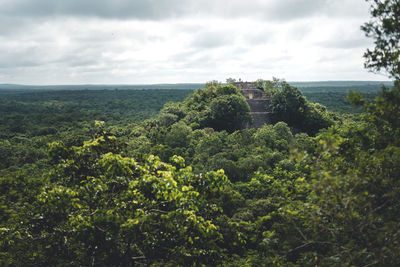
point(259, 103)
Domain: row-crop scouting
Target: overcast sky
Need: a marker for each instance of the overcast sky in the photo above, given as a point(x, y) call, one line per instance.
point(174, 41)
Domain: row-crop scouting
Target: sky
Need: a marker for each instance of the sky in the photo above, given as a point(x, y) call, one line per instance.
point(179, 41)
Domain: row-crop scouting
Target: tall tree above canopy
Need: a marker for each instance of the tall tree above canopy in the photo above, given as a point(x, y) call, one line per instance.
point(384, 28)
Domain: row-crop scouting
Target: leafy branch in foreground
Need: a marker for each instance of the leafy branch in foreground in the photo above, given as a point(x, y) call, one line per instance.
point(384, 28)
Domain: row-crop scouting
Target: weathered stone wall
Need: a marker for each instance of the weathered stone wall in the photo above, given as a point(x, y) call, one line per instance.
point(259, 103)
point(245, 85)
point(254, 94)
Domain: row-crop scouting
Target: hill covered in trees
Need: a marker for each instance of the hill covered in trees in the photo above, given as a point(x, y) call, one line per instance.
point(192, 186)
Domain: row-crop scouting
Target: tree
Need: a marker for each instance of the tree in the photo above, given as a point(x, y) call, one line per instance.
point(213, 83)
point(229, 112)
point(230, 80)
point(384, 28)
point(101, 208)
point(351, 218)
point(352, 212)
point(221, 107)
point(288, 104)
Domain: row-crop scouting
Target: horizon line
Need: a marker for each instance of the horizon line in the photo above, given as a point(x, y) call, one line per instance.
point(181, 83)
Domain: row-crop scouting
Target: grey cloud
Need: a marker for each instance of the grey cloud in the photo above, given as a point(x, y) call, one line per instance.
point(193, 58)
point(346, 40)
point(190, 53)
point(27, 51)
point(19, 56)
point(289, 9)
point(280, 10)
point(270, 62)
point(11, 25)
point(259, 38)
point(17, 62)
point(119, 9)
point(349, 43)
point(293, 9)
point(203, 59)
point(213, 39)
point(19, 59)
point(299, 31)
point(87, 41)
point(78, 59)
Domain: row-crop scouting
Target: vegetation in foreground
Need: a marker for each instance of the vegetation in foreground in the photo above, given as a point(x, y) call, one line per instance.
point(154, 193)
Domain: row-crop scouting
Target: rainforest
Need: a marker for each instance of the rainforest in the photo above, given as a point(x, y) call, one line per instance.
point(177, 176)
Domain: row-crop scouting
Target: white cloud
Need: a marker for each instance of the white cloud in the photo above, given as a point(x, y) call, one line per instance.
point(103, 41)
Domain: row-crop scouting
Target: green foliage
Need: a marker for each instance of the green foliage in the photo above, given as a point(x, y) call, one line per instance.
point(221, 107)
point(228, 112)
point(103, 208)
point(384, 113)
point(178, 135)
point(271, 87)
point(289, 105)
point(230, 80)
point(333, 94)
point(212, 84)
point(30, 119)
point(350, 216)
point(352, 211)
point(281, 199)
point(384, 28)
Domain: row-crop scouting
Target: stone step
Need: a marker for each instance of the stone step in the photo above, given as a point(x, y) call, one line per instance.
point(259, 119)
point(254, 94)
point(258, 105)
point(245, 85)
point(253, 90)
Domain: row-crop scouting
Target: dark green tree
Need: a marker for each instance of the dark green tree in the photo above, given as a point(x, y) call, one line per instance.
point(229, 112)
point(384, 28)
point(101, 208)
point(352, 211)
point(288, 104)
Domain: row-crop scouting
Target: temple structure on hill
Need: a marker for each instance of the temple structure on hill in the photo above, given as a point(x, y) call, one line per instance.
point(259, 103)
